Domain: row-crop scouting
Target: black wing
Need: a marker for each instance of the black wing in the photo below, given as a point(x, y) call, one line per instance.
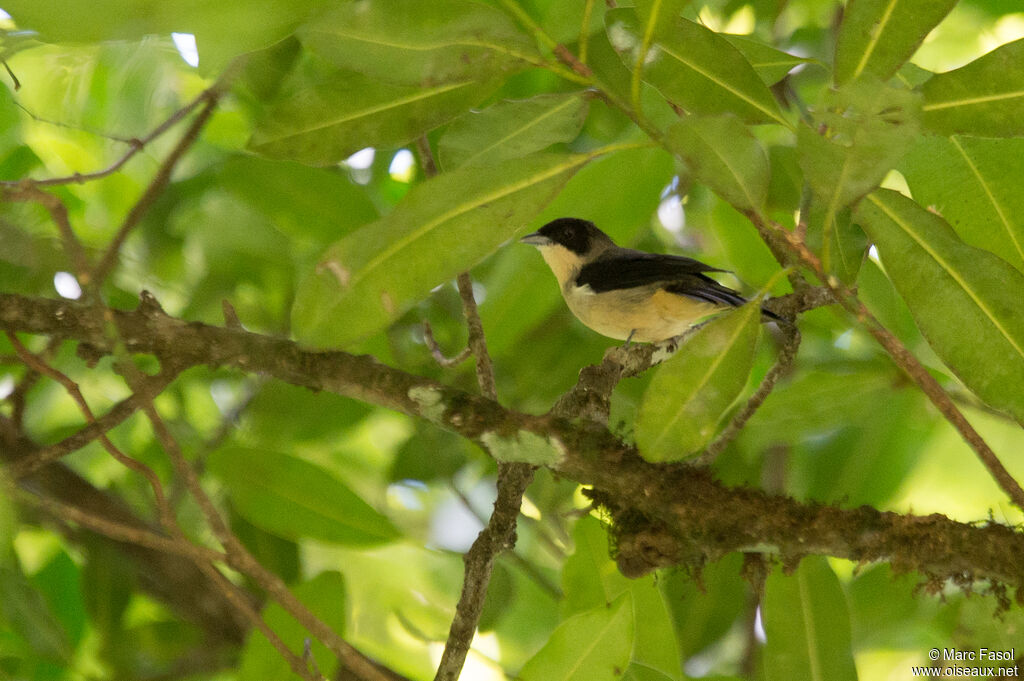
point(678, 274)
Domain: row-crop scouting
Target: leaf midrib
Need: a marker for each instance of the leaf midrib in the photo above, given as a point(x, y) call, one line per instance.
point(949, 270)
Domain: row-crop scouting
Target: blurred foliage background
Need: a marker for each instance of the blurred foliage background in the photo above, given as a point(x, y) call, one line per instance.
point(310, 157)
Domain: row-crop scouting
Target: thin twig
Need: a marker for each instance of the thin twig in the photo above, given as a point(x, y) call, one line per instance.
point(166, 516)
point(136, 145)
point(903, 358)
point(113, 418)
point(240, 559)
point(59, 213)
point(477, 342)
point(115, 530)
point(156, 186)
point(438, 354)
point(14, 78)
point(234, 595)
point(787, 354)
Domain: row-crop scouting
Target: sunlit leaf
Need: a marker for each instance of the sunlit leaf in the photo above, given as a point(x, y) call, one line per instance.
point(965, 300)
point(594, 645)
point(512, 129)
point(723, 154)
point(216, 25)
point(877, 36)
point(690, 393)
point(771, 65)
point(694, 67)
point(418, 43)
point(981, 98)
point(807, 625)
point(974, 183)
point(374, 274)
point(293, 498)
point(322, 115)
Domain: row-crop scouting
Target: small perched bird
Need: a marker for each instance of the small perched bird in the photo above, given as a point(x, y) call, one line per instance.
point(626, 294)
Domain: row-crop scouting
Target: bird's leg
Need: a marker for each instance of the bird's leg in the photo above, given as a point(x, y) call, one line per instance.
point(629, 338)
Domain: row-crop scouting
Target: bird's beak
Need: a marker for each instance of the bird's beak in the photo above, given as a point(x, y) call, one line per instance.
point(536, 239)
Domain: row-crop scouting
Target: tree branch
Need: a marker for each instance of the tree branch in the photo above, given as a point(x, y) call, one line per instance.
point(902, 357)
point(665, 514)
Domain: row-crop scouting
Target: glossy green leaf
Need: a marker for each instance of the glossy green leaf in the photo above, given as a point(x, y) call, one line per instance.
point(965, 300)
point(868, 128)
point(322, 115)
point(877, 36)
point(690, 393)
point(807, 625)
point(419, 43)
point(512, 129)
point(724, 155)
point(771, 65)
point(980, 98)
point(294, 498)
point(974, 183)
point(442, 227)
point(325, 596)
point(592, 646)
point(694, 67)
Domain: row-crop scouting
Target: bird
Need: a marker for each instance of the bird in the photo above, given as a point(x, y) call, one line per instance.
point(627, 294)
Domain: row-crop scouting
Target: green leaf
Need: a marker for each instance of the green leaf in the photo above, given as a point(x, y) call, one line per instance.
point(417, 43)
point(807, 625)
point(373, 275)
point(306, 204)
point(592, 646)
point(770, 64)
point(724, 155)
point(325, 596)
point(965, 300)
point(296, 499)
point(654, 647)
point(322, 115)
point(704, 612)
point(981, 98)
point(694, 67)
point(512, 129)
point(689, 394)
point(878, 36)
point(868, 128)
point(590, 578)
point(974, 183)
point(215, 25)
point(25, 610)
